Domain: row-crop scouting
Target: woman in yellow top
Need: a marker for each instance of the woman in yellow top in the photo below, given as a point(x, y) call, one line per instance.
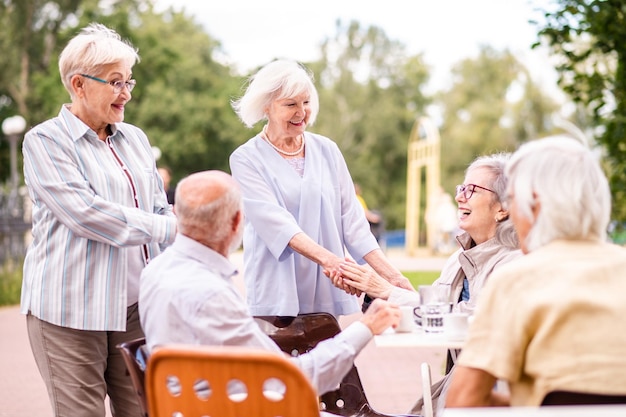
point(554, 318)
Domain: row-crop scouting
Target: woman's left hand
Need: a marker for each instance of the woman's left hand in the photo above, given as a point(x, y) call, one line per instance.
point(402, 282)
point(329, 262)
point(365, 279)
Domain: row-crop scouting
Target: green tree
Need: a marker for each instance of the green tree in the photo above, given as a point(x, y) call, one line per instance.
point(32, 33)
point(183, 94)
point(182, 99)
point(370, 96)
point(589, 38)
point(28, 40)
point(481, 114)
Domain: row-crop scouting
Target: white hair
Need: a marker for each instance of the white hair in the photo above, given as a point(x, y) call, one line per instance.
point(275, 81)
point(564, 177)
point(95, 46)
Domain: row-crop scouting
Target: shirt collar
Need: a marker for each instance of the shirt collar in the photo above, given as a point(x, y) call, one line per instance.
point(204, 255)
point(78, 129)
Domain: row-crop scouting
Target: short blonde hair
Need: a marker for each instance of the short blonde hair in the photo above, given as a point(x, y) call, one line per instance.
point(95, 46)
point(275, 81)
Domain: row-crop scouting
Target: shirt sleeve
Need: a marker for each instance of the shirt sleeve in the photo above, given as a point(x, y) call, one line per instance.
point(54, 180)
point(404, 297)
point(328, 363)
point(225, 320)
point(489, 348)
point(274, 224)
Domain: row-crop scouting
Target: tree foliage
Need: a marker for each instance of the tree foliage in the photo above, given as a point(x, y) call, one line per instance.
point(29, 31)
point(492, 106)
point(28, 39)
point(370, 94)
point(182, 96)
point(589, 38)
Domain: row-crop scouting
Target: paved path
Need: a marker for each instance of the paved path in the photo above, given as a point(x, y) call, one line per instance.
point(390, 375)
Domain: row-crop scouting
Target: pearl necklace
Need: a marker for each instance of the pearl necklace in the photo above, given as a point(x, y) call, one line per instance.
point(267, 138)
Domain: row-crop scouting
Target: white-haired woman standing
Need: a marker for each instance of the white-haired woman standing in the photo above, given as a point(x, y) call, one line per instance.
point(554, 318)
point(99, 215)
point(299, 201)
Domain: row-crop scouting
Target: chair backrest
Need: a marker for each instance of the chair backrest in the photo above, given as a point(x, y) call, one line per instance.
point(135, 356)
point(297, 335)
point(426, 390)
point(581, 398)
point(194, 381)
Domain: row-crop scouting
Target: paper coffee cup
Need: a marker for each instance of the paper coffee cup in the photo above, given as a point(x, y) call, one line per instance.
point(406, 323)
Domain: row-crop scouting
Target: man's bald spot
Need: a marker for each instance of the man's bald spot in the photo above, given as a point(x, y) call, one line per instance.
point(205, 187)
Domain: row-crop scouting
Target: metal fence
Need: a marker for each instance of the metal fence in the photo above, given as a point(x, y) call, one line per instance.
point(15, 225)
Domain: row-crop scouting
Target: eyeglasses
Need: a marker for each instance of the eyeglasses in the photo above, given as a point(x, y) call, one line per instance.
point(117, 85)
point(468, 190)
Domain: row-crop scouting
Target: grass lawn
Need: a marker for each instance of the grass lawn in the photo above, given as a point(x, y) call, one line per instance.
point(11, 280)
point(10, 283)
point(421, 277)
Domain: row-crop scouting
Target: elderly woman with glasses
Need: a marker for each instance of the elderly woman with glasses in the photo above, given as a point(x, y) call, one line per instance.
point(488, 241)
point(99, 215)
point(552, 320)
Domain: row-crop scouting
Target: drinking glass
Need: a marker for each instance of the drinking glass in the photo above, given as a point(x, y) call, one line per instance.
point(434, 304)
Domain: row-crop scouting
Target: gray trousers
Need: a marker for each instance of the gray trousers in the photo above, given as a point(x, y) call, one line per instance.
point(81, 367)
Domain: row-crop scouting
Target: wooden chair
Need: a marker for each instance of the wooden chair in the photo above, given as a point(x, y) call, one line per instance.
point(135, 357)
point(227, 381)
point(297, 335)
point(581, 398)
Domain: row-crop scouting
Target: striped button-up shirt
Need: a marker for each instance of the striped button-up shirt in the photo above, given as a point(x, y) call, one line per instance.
point(95, 205)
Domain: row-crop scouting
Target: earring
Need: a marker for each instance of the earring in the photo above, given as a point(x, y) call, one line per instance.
point(497, 219)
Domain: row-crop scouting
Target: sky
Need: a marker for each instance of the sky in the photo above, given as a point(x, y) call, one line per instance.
point(253, 32)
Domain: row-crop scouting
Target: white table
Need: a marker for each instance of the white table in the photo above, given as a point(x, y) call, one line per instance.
point(417, 338)
point(552, 411)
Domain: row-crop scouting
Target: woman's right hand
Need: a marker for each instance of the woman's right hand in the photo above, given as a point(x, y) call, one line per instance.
point(365, 279)
point(335, 275)
point(329, 262)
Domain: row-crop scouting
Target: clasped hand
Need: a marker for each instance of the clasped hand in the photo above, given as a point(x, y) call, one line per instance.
point(334, 273)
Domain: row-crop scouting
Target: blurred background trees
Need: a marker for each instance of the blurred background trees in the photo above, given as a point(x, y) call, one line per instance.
point(371, 90)
point(588, 38)
point(492, 106)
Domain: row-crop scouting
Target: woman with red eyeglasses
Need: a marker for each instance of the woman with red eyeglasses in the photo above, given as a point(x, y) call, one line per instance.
point(488, 241)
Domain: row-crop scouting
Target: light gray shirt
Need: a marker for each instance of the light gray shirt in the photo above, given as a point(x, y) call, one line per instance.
point(187, 296)
point(278, 204)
